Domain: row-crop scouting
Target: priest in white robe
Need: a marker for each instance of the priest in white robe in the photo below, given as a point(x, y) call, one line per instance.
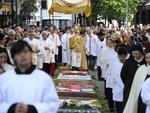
point(71, 34)
point(64, 42)
point(55, 39)
point(47, 50)
point(26, 89)
point(35, 44)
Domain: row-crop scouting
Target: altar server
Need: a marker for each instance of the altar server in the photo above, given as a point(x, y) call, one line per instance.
point(108, 62)
point(135, 103)
point(101, 46)
point(118, 84)
point(26, 89)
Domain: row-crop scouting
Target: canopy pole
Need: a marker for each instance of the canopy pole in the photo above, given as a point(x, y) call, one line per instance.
point(53, 13)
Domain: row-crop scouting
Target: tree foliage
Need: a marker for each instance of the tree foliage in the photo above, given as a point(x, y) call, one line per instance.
point(29, 6)
point(114, 9)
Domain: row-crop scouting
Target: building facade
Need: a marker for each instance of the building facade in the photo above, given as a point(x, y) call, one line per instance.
point(143, 14)
point(58, 19)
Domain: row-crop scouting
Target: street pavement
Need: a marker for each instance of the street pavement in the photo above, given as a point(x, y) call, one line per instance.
point(100, 85)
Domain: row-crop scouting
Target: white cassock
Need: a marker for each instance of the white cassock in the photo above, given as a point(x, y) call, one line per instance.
point(145, 94)
point(56, 41)
point(35, 89)
point(92, 44)
point(47, 55)
point(68, 49)
point(40, 57)
point(118, 84)
point(64, 40)
point(35, 44)
point(101, 46)
point(108, 59)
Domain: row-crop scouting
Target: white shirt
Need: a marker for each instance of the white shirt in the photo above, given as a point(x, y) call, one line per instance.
point(92, 44)
point(35, 89)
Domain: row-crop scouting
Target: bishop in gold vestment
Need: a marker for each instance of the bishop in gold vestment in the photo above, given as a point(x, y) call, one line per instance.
point(78, 51)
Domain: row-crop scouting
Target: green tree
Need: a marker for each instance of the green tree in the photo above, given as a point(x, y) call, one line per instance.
point(113, 9)
point(27, 7)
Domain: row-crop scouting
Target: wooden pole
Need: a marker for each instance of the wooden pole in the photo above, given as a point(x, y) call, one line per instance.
point(41, 13)
point(53, 14)
point(90, 2)
point(16, 12)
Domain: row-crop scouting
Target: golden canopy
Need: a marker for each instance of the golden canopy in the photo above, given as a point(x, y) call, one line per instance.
point(7, 7)
point(63, 6)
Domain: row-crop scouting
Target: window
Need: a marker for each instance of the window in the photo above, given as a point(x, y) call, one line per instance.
point(44, 4)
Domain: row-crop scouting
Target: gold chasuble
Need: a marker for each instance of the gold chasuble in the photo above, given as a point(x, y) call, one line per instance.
point(78, 52)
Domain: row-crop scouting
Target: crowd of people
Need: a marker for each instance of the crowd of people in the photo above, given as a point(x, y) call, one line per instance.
point(121, 56)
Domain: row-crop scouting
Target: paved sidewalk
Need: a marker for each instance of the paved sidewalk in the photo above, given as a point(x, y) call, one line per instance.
point(100, 85)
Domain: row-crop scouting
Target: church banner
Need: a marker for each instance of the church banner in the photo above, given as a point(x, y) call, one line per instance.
point(68, 7)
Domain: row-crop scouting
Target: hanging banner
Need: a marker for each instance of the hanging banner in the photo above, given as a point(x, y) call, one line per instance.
point(67, 7)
